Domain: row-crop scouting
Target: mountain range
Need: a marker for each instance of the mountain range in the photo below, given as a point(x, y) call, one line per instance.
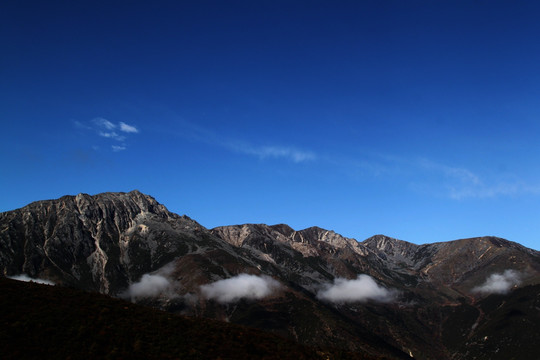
point(476, 298)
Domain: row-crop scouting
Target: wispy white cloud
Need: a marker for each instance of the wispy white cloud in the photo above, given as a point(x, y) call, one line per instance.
point(429, 176)
point(243, 286)
point(461, 183)
point(112, 135)
point(460, 174)
point(117, 132)
point(104, 124)
point(496, 189)
point(240, 146)
point(361, 289)
point(108, 129)
point(128, 128)
point(499, 283)
point(117, 148)
point(276, 152)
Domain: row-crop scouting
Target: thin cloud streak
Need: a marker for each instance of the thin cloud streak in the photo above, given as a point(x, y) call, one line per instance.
point(495, 190)
point(117, 148)
point(108, 125)
point(460, 174)
point(128, 128)
point(459, 183)
point(112, 135)
point(202, 135)
point(275, 152)
point(422, 175)
point(104, 123)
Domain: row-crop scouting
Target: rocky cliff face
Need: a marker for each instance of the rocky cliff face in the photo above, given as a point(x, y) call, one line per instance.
point(99, 243)
point(112, 241)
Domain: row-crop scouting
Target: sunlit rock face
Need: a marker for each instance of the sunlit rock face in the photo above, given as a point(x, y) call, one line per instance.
point(381, 296)
point(99, 243)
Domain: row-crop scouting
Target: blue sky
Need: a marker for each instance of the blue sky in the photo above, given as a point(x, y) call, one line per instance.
point(414, 119)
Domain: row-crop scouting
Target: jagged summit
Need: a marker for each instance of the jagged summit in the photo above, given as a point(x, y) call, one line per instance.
point(390, 245)
point(133, 200)
point(99, 240)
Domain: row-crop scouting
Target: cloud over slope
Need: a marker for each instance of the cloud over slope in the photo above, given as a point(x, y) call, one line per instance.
point(149, 286)
point(243, 286)
point(363, 288)
point(152, 284)
point(499, 283)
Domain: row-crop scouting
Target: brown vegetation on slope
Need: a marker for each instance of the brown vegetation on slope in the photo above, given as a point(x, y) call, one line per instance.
point(51, 322)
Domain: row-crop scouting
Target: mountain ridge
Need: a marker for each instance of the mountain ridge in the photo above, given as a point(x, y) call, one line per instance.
point(111, 242)
point(137, 194)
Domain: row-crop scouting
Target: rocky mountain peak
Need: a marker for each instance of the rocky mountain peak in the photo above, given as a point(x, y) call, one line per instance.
point(91, 239)
point(398, 251)
point(318, 236)
point(133, 202)
point(283, 229)
point(386, 243)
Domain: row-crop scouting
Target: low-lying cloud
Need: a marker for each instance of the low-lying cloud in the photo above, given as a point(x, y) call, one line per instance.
point(24, 277)
point(152, 285)
point(500, 283)
point(363, 288)
point(149, 286)
point(243, 286)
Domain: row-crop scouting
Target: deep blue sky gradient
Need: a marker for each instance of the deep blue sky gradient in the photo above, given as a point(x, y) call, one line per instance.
point(415, 119)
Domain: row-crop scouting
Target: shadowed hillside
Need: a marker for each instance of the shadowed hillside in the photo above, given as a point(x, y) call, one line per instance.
point(51, 322)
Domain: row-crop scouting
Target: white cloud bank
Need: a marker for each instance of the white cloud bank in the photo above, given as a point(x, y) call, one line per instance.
point(24, 277)
point(363, 288)
point(500, 283)
point(243, 286)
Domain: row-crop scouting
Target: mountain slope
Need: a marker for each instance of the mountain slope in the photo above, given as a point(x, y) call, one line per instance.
point(50, 322)
point(404, 294)
point(111, 241)
point(102, 242)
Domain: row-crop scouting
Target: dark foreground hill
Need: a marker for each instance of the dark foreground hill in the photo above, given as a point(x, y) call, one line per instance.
point(50, 322)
